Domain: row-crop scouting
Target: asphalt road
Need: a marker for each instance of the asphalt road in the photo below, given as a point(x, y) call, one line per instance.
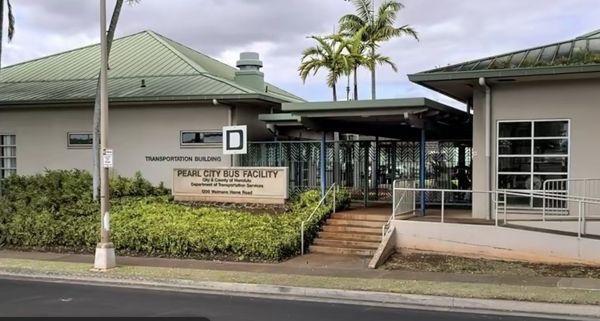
point(33, 298)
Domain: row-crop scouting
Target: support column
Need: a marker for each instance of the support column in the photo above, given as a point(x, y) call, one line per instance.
point(366, 169)
point(375, 167)
point(323, 163)
point(422, 171)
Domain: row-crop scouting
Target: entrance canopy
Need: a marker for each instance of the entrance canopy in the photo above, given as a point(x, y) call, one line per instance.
point(392, 118)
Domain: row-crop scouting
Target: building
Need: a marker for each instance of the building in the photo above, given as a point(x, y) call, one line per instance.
point(168, 104)
point(535, 115)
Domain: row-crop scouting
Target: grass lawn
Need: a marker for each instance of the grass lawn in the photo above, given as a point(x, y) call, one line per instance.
point(456, 264)
point(454, 289)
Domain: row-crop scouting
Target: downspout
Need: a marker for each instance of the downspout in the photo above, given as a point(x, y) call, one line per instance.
point(488, 138)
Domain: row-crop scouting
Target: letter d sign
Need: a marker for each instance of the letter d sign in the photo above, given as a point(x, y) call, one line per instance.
point(235, 140)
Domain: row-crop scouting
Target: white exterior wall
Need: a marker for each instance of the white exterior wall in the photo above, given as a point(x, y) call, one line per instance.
point(135, 132)
point(576, 100)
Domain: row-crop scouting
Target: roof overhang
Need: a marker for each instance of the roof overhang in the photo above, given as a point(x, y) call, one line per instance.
point(459, 84)
point(145, 100)
point(392, 118)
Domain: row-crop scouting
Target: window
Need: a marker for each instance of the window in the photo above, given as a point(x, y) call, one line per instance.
point(529, 153)
point(201, 138)
point(80, 140)
point(8, 155)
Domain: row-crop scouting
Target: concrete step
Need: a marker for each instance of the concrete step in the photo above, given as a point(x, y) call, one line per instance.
point(350, 236)
point(340, 251)
point(361, 217)
point(352, 229)
point(357, 223)
point(346, 243)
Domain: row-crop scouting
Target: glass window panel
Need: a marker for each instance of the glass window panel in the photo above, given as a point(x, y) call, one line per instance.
point(519, 181)
point(540, 179)
point(468, 66)
point(551, 129)
point(514, 129)
point(81, 139)
point(514, 164)
point(551, 146)
point(514, 147)
point(580, 46)
point(548, 53)
point(563, 51)
point(483, 64)
point(516, 59)
point(531, 58)
point(518, 201)
point(201, 137)
point(594, 45)
point(551, 164)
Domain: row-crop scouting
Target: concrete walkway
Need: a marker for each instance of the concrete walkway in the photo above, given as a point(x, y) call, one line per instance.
point(315, 265)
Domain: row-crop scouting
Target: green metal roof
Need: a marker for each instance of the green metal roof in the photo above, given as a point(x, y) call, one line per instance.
point(392, 118)
point(169, 69)
point(578, 55)
point(366, 106)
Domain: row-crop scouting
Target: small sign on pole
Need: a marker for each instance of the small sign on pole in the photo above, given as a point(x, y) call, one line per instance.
point(107, 158)
point(235, 140)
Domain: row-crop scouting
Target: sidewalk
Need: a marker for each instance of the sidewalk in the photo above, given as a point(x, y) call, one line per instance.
point(324, 278)
point(313, 265)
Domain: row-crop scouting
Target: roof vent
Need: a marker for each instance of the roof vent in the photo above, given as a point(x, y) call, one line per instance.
point(249, 74)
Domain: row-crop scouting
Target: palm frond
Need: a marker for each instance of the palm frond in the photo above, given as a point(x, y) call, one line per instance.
point(363, 9)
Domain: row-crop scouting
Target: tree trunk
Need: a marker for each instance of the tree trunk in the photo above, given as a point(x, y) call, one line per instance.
point(334, 92)
point(348, 87)
point(355, 83)
point(373, 66)
point(110, 35)
point(1, 28)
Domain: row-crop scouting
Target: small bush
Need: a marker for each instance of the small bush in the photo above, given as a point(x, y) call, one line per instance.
point(54, 210)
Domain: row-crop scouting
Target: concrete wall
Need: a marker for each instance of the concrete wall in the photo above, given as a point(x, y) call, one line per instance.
point(494, 242)
point(135, 132)
point(576, 100)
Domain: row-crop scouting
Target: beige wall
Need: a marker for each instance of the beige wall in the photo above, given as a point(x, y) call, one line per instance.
point(494, 242)
point(576, 100)
point(135, 132)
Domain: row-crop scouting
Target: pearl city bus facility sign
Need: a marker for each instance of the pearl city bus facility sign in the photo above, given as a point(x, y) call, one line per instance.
point(265, 185)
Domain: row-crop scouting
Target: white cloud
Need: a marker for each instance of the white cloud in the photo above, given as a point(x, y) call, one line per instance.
point(450, 31)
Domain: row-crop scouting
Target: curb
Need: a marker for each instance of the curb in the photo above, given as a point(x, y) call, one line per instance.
point(394, 300)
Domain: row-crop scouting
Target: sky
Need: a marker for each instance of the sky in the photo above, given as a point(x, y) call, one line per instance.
point(450, 31)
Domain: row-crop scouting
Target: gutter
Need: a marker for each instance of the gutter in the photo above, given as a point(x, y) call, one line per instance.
point(488, 138)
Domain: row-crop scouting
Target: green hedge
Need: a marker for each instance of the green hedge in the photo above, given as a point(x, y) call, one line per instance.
point(55, 211)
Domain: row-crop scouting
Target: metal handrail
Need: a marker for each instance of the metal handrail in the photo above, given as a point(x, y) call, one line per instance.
point(566, 181)
point(385, 227)
point(321, 202)
point(582, 201)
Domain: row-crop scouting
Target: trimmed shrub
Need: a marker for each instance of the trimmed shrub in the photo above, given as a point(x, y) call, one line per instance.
point(54, 211)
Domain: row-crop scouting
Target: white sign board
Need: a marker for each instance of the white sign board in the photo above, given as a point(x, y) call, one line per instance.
point(107, 158)
point(235, 140)
point(265, 185)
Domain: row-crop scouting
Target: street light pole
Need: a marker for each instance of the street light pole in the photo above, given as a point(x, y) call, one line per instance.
point(105, 250)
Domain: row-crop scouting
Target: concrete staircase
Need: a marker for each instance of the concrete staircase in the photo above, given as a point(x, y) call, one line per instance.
point(353, 232)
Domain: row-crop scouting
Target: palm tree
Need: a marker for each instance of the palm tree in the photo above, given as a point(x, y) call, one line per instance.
point(378, 26)
point(11, 24)
point(328, 54)
point(110, 35)
point(355, 49)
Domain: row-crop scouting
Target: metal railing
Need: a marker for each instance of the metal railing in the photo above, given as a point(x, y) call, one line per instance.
point(588, 188)
point(331, 190)
point(499, 200)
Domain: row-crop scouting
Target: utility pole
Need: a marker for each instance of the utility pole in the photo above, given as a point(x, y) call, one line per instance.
point(105, 250)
